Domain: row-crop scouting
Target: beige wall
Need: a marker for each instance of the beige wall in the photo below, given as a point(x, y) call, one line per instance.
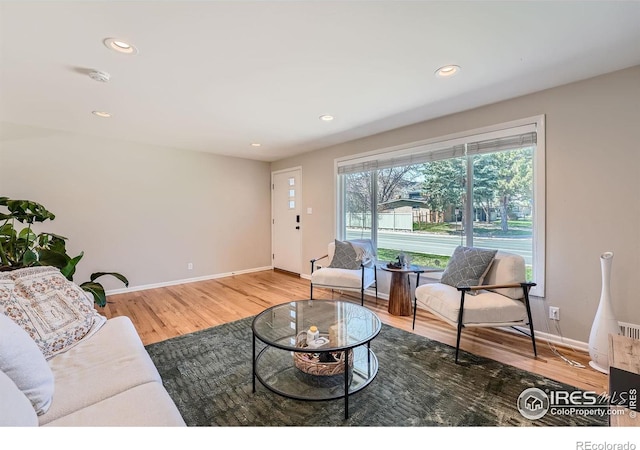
point(593, 186)
point(144, 211)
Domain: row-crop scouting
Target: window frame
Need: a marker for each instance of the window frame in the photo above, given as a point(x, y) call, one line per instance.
point(450, 140)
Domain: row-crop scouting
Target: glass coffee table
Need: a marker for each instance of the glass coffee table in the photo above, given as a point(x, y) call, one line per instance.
point(341, 365)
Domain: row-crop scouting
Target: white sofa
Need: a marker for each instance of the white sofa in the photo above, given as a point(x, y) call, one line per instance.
point(109, 380)
point(105, 377)
point(106, 380)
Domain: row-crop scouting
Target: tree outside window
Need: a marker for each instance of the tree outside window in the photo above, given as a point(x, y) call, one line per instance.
point(421, 209)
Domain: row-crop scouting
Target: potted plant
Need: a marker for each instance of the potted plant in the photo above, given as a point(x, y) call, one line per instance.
point(21, 248)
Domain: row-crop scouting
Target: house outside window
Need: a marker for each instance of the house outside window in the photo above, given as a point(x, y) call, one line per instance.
point(484, 188)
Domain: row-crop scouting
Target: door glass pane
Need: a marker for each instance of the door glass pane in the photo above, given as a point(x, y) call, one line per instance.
point(292, 181)
point(357, 201)
point(292, 192)
point(292, 204)
point(503, 202)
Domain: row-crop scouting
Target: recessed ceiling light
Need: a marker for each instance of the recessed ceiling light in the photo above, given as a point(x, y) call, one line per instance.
point(326, 118)
point(101, 114)
point(120, 46)
point(447, 71)
point(255, 144)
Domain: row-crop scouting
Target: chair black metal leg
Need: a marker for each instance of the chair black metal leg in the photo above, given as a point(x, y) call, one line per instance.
point(311, 293)
point(361, 285)
point(460, 315)
point(526, 303)
point(533, 339)
point(415, 301)
point(415, 304)
point(375, 279)
point(458, 341)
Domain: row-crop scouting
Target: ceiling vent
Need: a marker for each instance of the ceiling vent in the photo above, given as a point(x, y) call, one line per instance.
point(98, 75)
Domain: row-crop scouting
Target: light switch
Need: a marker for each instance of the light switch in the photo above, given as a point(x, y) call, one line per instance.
point(309, 210)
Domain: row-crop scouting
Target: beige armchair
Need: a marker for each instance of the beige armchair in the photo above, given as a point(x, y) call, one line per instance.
point(350, 266)
point(501, 300)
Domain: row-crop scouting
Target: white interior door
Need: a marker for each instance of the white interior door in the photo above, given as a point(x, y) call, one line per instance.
point(287, 220)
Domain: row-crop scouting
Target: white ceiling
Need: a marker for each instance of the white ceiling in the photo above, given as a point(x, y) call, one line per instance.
point(215, 76)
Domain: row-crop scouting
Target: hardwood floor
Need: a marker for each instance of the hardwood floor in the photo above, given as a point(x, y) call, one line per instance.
point(163, 313)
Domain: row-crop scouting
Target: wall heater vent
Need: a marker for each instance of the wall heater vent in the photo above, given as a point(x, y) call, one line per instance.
point(630, 330)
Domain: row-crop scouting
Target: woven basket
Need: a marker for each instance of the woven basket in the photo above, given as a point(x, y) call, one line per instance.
point(310, 362)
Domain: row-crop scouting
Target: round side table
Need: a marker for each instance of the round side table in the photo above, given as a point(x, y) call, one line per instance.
point(400, 289)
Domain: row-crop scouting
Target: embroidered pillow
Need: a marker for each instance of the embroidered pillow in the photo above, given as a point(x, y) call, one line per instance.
point(468, 266)
point(55, 312)
point(345, 256)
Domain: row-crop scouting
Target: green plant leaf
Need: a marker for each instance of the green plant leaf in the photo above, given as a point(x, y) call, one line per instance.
point(50, 258)
point(43, 239)
point(56, 243)
point(119, 276)
point(96, 289)
point(26, 211)
point(7, 229)
point(70, 269)
point(26, 233)
point(29, 258)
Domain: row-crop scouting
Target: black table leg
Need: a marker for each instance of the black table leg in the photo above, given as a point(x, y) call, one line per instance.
point(346, 384)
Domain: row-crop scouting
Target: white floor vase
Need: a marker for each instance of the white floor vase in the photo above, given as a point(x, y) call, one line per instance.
point(604, 322)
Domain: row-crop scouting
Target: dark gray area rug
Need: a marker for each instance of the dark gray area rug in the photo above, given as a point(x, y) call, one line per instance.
point(209, 376)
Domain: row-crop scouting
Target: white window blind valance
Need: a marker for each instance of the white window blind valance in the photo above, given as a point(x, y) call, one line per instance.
point(403, 160)
point(502, 144)
point(434, 152)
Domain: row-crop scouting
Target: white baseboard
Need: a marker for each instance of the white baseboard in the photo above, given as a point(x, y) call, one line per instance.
point(145, 287)
point(553, 339)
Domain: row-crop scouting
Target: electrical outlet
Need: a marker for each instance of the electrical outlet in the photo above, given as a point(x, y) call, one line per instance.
point(554, 313)
point(189, 266)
